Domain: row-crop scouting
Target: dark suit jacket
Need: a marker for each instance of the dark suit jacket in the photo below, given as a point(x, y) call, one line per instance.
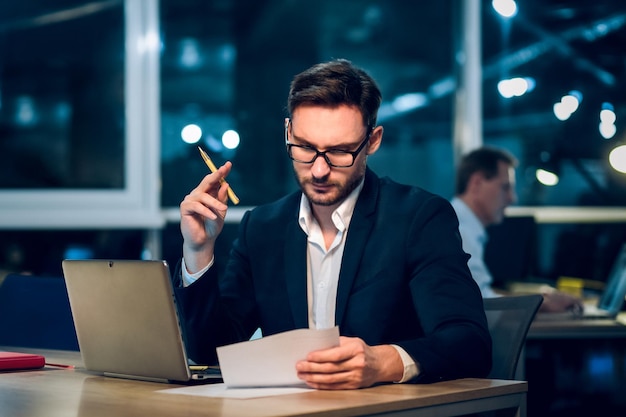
point(404, 280)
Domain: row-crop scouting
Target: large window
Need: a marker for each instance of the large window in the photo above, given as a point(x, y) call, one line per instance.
point(77, 123)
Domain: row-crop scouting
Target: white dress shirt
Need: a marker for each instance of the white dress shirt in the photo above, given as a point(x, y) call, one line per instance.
point(474, 237)
point(324, 264)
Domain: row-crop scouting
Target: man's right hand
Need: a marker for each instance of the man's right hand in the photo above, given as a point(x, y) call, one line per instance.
point(555, 301)
point(202, 214)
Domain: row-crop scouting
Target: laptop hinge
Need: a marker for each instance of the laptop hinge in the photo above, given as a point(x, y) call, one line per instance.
point(139, 378)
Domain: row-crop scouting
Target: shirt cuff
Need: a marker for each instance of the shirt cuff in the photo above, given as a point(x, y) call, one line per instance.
point(189, 278)
point(411, 369)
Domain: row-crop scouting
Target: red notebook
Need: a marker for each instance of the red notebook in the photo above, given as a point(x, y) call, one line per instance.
point(16, 360)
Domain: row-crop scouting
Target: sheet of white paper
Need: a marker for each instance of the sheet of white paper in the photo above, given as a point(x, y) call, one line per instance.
point(271, 360)
point(222, 391)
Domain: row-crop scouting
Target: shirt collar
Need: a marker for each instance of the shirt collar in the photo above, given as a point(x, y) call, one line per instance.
point(341, 215)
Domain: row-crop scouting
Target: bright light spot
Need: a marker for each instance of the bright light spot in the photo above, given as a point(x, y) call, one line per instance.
point(515, 87)
point(230, 139)
point(607, 116)
point(607, 121)
point(504, 89)
point(409, 101)
point(150, 42)
point(546, 177)
point(617, 158)
point(191, 133)
point(560, 111)
point(506, 8)
point(607, 130)
point(570, 103)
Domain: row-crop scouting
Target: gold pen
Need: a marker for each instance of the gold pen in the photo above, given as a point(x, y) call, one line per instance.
point(213, 168)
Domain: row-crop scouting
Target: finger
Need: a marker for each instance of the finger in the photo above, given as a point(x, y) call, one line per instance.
point(328, 355)
point(339, 380)
point(212, 180)
point(202, 211)
point(348, 348)
point(320, 367)
point(203, 204)
point(210, 184)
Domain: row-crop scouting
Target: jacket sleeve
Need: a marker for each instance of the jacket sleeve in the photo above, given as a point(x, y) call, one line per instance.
point(208, 317)
point(448, 302)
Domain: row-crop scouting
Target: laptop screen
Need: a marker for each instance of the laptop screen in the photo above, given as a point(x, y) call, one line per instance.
point(612, 298)
point(126, 319)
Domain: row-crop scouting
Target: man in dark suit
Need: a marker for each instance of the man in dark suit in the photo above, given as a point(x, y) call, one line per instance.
point(381, 260)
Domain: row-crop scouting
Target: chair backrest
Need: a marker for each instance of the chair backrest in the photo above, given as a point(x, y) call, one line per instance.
point(35, 312)
point(509, 318)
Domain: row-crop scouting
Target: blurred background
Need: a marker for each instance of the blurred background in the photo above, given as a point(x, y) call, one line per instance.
point(103, 105)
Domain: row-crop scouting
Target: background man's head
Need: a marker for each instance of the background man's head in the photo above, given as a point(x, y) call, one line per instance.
point(485, 181)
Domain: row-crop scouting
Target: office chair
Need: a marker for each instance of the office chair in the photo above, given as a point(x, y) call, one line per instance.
point(35, 312)
point(509, 319)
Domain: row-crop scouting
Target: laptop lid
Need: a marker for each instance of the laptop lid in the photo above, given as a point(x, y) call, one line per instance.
point(126, 319)
point(612, 298)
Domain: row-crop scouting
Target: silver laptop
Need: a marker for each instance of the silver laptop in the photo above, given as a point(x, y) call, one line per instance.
point(126, 321)
point(611, 300)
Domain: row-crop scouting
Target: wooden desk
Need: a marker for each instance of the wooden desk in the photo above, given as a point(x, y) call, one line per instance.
point(54, 391)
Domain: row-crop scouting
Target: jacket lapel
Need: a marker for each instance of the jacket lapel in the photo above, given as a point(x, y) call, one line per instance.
point(296, 272)
point(358, 235)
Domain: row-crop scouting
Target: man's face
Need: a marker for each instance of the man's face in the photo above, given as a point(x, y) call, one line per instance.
point(496, 194)
point(324, 129)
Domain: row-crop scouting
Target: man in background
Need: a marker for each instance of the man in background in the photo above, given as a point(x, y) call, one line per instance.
point(485, 187)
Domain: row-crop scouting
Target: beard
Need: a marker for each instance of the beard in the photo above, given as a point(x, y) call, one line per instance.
point(333, 192)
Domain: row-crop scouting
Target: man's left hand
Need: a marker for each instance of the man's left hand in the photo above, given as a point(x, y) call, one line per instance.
point(351, 365)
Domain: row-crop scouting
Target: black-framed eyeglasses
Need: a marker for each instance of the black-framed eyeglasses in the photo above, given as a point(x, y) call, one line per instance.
point(334, 157)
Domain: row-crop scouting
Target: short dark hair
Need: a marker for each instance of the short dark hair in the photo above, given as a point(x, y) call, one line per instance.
point(483, 160)
point(334, 83)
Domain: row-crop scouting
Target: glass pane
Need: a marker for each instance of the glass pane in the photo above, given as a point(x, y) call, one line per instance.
point(228, 65)
point(40, 252)
point(61, 95)
point(561, 49)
